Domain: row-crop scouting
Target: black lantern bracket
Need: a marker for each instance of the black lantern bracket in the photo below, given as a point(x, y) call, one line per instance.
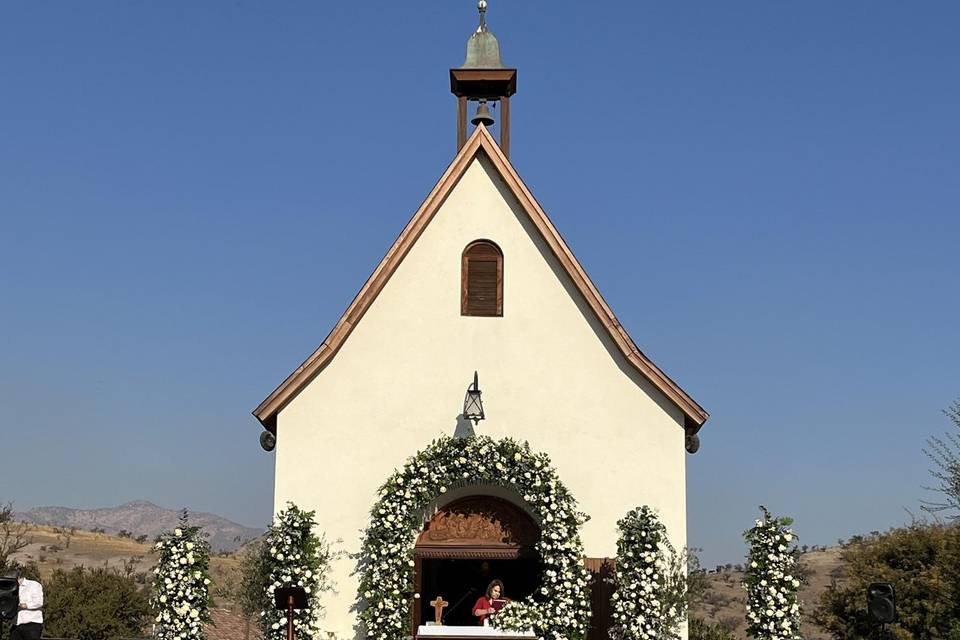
point(472, 404)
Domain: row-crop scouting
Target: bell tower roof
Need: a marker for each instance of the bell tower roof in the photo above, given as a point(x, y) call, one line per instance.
point(483, 50)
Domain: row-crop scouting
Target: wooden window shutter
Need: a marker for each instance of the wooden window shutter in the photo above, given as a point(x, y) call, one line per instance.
point(481, 292)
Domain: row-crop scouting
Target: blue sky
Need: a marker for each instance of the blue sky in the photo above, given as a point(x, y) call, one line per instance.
point(766, 194)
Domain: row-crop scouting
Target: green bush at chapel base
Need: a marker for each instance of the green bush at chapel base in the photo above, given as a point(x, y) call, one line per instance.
point(94, 604)
point(923, 563)
point(700, 629)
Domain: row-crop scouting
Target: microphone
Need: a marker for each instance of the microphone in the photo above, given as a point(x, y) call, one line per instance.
point(458, 603)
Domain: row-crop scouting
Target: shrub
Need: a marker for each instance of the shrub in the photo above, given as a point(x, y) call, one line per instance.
point(249, 591)
point(923, 563)
point(944, 453)
point(93, 604)
point(13, 538)
point(700, 629)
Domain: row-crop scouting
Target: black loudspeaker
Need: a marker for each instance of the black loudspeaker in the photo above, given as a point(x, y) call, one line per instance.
point(882, 602)
point(9, 598)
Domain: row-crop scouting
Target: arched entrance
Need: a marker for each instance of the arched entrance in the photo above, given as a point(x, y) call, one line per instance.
point(431, 481)
point(466, 544)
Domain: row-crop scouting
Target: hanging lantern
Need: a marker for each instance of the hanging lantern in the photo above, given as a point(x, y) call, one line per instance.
point(472, 406)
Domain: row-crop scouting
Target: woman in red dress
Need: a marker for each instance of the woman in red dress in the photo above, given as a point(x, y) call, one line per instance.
point(489, 604)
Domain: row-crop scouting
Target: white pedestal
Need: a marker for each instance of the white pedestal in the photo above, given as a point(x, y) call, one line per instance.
point(445, 632)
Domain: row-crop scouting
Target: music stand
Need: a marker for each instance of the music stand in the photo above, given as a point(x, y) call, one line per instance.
point(290, 598)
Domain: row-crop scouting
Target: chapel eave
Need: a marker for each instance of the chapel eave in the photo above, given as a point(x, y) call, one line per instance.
point(480, 142)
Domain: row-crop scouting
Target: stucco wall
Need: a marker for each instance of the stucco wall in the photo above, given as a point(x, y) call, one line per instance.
point(548, 372)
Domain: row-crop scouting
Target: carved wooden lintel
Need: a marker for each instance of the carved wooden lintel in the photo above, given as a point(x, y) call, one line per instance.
point(480, 521)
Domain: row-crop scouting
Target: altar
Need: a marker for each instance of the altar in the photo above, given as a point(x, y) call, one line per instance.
point(457, 632)
point(471, 540)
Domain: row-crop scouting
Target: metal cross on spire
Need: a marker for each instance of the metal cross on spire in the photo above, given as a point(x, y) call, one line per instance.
point(482, 7)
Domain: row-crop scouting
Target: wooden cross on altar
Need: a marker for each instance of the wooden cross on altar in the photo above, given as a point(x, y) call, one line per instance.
point(438, 606)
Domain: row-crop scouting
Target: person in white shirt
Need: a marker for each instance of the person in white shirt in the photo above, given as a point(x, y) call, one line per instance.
point(29, 624)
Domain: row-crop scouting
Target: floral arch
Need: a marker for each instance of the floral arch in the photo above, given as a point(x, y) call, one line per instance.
point(560, 609)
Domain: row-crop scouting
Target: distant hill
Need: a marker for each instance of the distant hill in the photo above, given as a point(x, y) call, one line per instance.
point(142, 518)
point(726, 603)
point(53, 548)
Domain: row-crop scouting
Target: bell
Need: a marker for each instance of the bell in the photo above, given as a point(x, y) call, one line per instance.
point(483, 115)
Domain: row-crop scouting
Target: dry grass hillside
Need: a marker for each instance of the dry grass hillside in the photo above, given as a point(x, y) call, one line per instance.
point(725, 604)
point(55, 548)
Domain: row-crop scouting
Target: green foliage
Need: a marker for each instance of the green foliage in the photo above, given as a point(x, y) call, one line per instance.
point(250, 592)
point(291, 554)
point(181, 599)
point(702, 630)
point(650, 600)
point(248, 588)
point(923, 563)
point(13, 537)
point(944, 453)
point(771, 581)
point(94, 604)
point(699, 586)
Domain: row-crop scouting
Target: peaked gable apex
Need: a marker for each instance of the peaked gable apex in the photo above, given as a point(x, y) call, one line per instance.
point(481, 142)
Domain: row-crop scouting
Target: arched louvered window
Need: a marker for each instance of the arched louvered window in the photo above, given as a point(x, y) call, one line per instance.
point(481, 291)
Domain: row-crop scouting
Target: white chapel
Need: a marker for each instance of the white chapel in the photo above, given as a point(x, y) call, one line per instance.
point(479, 321)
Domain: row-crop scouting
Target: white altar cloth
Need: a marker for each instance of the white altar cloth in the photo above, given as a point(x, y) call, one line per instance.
point(475, 631)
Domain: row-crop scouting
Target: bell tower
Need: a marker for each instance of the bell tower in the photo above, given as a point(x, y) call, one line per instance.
point(483, 79)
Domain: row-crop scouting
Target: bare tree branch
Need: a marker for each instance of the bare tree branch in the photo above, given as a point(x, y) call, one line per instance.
point(944, 454)
point(13, 537)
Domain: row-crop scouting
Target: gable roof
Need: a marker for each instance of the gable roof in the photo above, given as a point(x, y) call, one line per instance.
point(480, 142)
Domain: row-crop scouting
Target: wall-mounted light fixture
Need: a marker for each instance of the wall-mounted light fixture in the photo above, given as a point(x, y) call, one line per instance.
point(472, 406)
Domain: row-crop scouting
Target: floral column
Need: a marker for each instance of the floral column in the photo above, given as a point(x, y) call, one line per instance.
point(773, 612)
